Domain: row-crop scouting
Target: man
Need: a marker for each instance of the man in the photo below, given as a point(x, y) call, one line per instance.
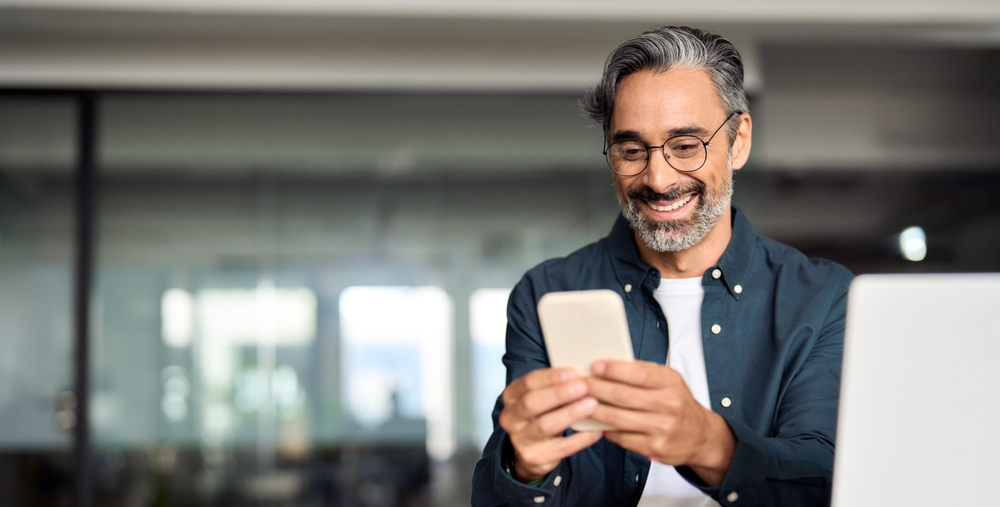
point(733, 398)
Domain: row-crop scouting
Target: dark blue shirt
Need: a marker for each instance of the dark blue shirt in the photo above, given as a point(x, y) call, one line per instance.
point(772, 325)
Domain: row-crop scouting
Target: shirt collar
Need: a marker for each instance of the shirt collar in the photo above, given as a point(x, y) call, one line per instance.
point(735, 262)
point(631, 269)
point(624, 251)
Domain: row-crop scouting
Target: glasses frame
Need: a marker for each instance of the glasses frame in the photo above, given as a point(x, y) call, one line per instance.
point(666, 157)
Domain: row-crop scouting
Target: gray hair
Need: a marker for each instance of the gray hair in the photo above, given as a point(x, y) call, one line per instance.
point(668, 47)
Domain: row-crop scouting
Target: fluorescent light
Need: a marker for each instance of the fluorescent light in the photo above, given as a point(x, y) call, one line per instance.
point(913, 243)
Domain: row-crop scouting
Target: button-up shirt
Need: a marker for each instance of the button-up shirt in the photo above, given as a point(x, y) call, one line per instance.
point(772, 331)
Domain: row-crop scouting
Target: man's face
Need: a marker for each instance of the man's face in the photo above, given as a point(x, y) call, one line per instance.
point(672, 210)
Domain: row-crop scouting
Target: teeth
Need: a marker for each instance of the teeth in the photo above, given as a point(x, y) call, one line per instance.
point(673, 206)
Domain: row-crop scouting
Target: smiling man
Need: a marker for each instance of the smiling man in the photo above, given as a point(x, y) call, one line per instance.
point(733, 399)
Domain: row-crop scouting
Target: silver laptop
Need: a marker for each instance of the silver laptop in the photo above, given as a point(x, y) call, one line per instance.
point(919, 420)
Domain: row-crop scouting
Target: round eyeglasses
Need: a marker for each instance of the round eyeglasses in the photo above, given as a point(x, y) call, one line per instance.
point(685, 153)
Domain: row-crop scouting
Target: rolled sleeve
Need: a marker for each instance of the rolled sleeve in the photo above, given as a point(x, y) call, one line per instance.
point(793, 465)
point(510, 491)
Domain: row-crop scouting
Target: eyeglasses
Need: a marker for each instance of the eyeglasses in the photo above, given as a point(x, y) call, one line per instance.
point(686, 153)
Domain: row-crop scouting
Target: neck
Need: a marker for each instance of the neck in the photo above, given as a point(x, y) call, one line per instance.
point(694, 261)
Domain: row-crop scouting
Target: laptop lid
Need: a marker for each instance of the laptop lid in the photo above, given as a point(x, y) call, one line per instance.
point(919, 420)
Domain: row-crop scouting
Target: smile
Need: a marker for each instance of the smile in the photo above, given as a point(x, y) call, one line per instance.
point(677, 204)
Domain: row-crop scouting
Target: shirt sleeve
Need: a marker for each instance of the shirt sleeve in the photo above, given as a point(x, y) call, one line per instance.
point(794, 465)
point(491, 484)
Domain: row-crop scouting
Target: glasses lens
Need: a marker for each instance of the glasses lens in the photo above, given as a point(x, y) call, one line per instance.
point(687, 153)
point(627, 158)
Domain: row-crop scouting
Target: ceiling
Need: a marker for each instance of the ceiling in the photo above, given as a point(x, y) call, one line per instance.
point(479, 45)
point(856, 85)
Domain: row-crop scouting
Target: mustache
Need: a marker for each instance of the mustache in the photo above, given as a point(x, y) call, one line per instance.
point(644, 193)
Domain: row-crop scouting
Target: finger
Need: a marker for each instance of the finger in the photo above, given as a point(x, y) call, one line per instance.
point(636, 442)
point(539, 401)
point(623, 395)
point(541, 458)
point(624, 419)
point(557, 421)
point(567, 446)
point(536, 379)
point(545, 377)
point(636, 373)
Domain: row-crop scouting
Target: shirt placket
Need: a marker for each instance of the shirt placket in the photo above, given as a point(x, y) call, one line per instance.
point(717, 334)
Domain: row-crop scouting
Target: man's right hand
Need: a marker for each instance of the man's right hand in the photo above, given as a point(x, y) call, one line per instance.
point(538, 408)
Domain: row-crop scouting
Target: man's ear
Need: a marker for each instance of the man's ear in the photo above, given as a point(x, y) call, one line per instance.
point(741, 145)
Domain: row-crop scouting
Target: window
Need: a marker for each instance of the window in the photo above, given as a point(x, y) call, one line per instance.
point(396, 363)
point(488, 323)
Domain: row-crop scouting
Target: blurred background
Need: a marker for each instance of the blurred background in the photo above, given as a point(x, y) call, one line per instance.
point(309, 215)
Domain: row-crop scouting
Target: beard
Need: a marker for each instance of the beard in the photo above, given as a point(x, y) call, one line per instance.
point(677, 235)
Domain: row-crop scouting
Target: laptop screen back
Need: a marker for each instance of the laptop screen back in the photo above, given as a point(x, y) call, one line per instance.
point(919, 420)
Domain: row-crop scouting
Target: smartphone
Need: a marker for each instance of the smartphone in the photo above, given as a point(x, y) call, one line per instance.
point(582, 326)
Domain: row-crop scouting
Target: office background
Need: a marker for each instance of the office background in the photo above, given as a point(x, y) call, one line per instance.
point(309, 214)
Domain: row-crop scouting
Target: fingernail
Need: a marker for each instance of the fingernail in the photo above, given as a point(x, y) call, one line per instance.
point(598, 367)
point(588, 403)
point(596, 434)
point(577, 388)
point(567, 375)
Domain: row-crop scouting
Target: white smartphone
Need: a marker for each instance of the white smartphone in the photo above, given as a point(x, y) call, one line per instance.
point(582, 326)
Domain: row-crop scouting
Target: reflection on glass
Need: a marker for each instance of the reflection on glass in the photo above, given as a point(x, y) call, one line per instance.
point(176, 388)
point(397, 363)
point(178, 317)
point(488, 325)
point(237, 390)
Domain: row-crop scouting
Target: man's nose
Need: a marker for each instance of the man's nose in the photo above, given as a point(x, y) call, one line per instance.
point(659, 174)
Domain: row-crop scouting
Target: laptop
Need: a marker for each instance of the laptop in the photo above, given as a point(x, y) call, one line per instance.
point(919, 420)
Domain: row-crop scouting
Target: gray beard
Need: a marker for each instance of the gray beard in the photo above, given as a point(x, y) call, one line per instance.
point(675, 236)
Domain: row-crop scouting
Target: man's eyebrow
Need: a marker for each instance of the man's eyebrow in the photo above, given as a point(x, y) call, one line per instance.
point(625, 135)
point(632, 135)
point(687, 131)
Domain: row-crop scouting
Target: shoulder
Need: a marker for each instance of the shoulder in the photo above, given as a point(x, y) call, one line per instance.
point(590, 267)
point(796, 270)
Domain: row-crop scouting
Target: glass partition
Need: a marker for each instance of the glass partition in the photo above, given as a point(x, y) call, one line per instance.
point(37, 406)
point(289, 301)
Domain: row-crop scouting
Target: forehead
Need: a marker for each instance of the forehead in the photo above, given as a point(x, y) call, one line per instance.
point(652, 103)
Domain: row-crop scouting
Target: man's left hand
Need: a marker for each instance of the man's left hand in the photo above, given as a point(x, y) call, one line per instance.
point(657, 416)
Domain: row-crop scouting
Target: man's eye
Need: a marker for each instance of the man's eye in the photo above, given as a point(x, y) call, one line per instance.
point(631, 151)
point(685, 147)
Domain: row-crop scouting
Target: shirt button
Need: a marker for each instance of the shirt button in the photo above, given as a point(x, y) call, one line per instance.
point(557, 481)
point(732, 497)
point(628, 287)
point(716, 329)
point(636, 477)
point(726, 402)
point(716, 273)
point(539, 499)
point(738, 289)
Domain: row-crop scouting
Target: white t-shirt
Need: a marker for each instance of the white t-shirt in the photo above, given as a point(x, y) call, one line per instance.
point(680, 299)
